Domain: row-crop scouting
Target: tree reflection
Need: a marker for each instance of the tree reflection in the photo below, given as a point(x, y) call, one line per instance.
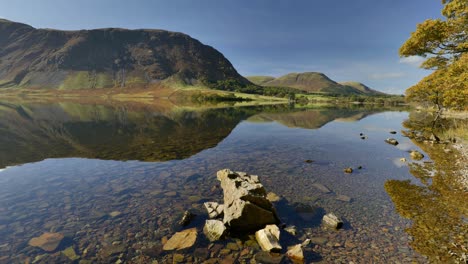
point(435, 201)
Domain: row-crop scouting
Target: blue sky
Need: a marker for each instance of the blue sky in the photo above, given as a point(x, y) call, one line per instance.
point(345, 39)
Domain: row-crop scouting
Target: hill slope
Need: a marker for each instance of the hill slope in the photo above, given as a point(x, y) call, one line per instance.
point(110, 57)
point(362, 87)
point(314, 82)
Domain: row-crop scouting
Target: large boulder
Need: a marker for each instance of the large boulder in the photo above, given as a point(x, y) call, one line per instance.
point(246, 207)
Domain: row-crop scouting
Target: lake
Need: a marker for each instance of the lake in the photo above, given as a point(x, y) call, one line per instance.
point(116, 179)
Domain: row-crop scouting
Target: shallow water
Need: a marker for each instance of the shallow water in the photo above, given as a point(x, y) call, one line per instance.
point(179, 153)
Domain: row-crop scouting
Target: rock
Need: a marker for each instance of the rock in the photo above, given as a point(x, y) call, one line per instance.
point(391, 141)
point(361, 134)
point(359, 167)
point(403, 159)
point(186, 218)
point(306, 243)
point(295, 253)
point(363, 137)
point(319, 240)
point(321, 187)
point(343, 198)
point(114, 214)
point(71, 254)
point(332, 221)
point(214, 209)
point(393, 132)
point(272, 197)
point(214, 229)
point(348, 170)
point(308, 161)
point(245, 204)
point(47, 241)
point(268, 258)
point(268, 238)
point(291, 230)
point(181, 240)
point(416, 155)
point(306, 211)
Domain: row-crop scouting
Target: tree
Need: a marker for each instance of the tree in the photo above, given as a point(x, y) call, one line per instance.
point(445, 45)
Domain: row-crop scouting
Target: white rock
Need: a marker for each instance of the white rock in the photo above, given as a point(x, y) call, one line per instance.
point(332, 220)
point(245, 204)
point(268, 238)
point(214, 209)
point(295, 253)
point(214, 229)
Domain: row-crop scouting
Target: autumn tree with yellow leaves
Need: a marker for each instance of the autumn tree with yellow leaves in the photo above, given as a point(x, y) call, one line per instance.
point(444, 44)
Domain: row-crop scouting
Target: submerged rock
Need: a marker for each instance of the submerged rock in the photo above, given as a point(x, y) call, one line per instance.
point(214, 209)
point(186, 218)
point(273, 197)
point(416, 155)
point(268, 258)
point(348, 170)
point(70, 253)
point(268, 238)
point(291, 230)
point(181, 240)
point(214, 229)
point(333, 221)
point(321, 187)
point(343, 198)
point(245, 204)
point(47, 241)
point(391, 141)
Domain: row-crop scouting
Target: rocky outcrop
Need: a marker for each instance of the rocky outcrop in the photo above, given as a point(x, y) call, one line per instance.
point(245, 204)
point(108, 57)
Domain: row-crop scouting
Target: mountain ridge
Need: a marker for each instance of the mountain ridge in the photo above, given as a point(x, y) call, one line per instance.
point(104, 58)
point(314, 82)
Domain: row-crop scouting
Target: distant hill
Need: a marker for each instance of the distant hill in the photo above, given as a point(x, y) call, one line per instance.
point(260, 80)
point(362, 87)
point(314, 82)
point(101, 58)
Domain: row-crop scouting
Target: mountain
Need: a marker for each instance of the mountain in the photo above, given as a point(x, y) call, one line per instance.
point(260, 80)
point(109, 57)
point(314, 82)
point(362, 87)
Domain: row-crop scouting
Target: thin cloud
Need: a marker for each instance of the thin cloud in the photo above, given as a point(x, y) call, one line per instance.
point(388, 75)
point(412, 60)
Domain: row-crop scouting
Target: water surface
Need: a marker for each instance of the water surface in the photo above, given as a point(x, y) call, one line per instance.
point(115, 180)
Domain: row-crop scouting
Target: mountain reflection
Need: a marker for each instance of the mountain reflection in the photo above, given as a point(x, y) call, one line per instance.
point(33, 131)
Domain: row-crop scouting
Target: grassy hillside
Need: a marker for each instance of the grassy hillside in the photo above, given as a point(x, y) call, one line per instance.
point(362, 87)
point(260, 80)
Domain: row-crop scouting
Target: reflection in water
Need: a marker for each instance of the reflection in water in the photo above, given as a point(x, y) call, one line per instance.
point(437, 202)
point(112, 211)
point(37, 131)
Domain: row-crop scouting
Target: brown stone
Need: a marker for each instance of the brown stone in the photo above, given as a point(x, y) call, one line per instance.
point(181, 240)
point(47, 241)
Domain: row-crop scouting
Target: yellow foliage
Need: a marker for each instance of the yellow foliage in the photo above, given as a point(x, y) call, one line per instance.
point(445, 45)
